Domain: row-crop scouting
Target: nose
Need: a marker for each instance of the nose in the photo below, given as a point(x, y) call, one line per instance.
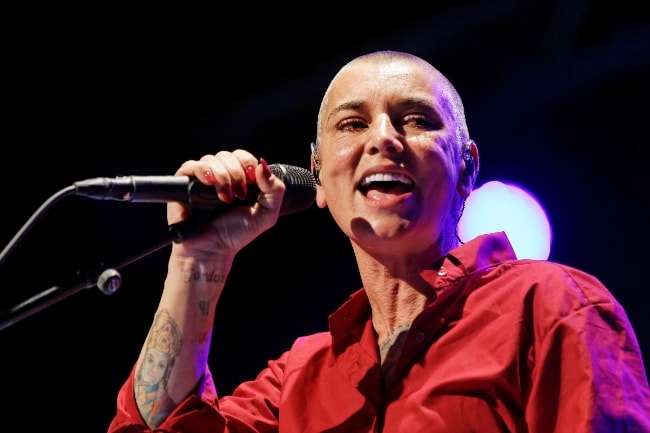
point(384, 137)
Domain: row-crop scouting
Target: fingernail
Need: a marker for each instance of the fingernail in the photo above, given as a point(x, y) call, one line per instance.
point(225, 194)
point(265, 166)
point(240, 190)
point(209, 177)
point(250, 174)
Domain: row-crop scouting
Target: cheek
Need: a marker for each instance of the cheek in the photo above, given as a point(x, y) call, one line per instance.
point(328, 194)
point(441, 160)
point(339, 165)
point(344, 158)
point(424, 141)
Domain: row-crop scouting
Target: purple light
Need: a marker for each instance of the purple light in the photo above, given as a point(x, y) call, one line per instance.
point(497, 206)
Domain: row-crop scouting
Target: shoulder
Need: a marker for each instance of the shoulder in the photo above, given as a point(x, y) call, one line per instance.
point(550, 292)
point(557, 278)
point(306, 348)
point(312, 342)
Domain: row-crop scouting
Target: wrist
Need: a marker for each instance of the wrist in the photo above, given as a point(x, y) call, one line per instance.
point(208, 271)
point(189, 257)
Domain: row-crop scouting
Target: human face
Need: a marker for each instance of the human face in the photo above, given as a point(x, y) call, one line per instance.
point(388, 155)
point(155, 366)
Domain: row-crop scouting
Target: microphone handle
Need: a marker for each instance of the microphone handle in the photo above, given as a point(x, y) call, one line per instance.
point(300, 190)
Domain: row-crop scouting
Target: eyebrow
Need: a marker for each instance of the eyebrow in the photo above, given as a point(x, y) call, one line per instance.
point(350, 105)
point(419, 102)
point(404, 102)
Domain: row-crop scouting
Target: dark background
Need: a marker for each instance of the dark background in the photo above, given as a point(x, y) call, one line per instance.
point(556, 94)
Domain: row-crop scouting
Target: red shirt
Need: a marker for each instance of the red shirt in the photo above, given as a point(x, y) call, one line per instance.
point(508, 346)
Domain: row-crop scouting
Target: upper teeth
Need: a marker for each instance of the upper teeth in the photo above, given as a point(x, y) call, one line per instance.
point(386, 177)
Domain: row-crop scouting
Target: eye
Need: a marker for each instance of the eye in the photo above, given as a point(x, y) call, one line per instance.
point(420, 121)
point(352, 124)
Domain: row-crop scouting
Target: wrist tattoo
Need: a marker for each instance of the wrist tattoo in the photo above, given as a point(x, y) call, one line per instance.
point(204, 306)
point(209, 277)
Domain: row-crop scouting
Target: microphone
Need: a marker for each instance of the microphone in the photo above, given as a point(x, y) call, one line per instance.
point(300, 191)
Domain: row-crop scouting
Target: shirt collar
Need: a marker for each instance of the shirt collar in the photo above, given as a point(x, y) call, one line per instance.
point(348, 322)
point(481, 252)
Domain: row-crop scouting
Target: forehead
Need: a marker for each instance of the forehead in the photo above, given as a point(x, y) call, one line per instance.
point(368, 82)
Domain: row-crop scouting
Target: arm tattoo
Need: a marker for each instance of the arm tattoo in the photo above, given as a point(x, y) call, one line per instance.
point(161, 349)
point(391, 348)
point(210, 277)
point(204, 306)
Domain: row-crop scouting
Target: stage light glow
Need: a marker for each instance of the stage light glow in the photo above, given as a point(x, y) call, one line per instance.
point(499, 206)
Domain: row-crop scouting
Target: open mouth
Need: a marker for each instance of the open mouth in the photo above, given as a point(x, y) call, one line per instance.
point(387, 183)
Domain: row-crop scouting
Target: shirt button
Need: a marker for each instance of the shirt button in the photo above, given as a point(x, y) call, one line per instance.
point(419, 337)
point(442, 272)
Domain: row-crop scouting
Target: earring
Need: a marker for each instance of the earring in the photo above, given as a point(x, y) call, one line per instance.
point(315, 162)
point(469, 161)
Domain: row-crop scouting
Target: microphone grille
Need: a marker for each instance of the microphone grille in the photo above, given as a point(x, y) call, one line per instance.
point(301, 187)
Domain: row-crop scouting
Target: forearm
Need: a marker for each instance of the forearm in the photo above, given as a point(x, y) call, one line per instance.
point(175, 354)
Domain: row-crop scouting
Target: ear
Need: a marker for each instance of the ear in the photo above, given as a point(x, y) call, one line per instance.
point(320, 197)
point(320, 194)
point(469, 168)
point(314, 162)
point(315, 170)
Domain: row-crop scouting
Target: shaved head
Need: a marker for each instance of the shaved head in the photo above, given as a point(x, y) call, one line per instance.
point(449, 97)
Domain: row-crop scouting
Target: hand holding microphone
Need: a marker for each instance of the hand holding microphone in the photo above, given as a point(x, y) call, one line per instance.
point(300, 192)
point(183, 191)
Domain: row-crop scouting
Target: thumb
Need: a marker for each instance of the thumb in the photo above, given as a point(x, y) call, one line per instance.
point(272, 189)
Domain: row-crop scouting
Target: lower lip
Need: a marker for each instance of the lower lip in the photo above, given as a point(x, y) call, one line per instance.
point(384, 200)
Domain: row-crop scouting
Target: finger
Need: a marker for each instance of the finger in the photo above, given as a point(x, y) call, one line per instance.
point(226, 171)
point(223, 170)
point(240, 167)
point(271, 187)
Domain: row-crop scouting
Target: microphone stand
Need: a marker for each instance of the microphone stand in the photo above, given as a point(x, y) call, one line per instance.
point(106, 278)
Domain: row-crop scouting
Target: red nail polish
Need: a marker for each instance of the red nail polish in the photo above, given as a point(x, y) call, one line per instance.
point(226, 194)
point(210, 177)
point(250, 174)
point(239, 189)
point(265, 166)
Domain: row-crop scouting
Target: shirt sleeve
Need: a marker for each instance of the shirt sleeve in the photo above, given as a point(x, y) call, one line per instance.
point(588, 372)
point(197, 413)
point(253, 406)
